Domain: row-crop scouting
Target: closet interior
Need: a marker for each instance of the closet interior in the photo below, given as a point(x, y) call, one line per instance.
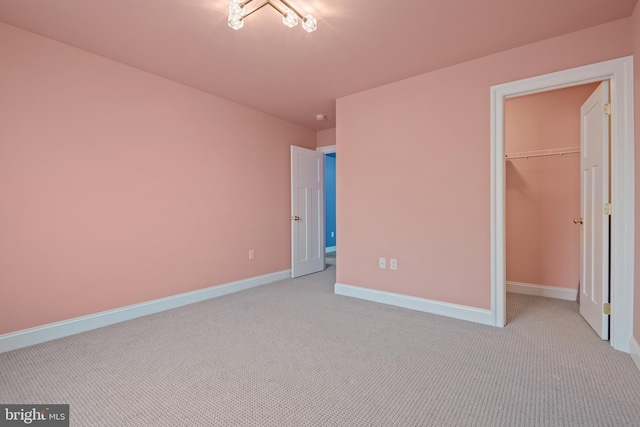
point(542, 146)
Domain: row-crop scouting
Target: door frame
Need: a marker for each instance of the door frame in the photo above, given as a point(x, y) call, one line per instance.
point(620, 74)
point(327, 149)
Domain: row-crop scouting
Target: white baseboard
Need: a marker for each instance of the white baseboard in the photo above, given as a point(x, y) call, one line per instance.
point(329, 249)
point(51, 331)
point(542, 291)
point(456, 311)
point(634, 351)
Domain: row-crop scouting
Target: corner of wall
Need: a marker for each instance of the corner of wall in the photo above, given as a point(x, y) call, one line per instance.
point(326, 137)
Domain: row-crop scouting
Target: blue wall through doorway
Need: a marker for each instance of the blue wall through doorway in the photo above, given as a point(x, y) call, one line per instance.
point(330, 200)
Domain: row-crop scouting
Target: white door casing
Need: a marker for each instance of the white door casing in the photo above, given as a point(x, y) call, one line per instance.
point(594, 194)
point(307, 211)
point(619, 72)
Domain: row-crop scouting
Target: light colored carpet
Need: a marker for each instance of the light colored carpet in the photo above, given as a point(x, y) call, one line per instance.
point(294, 354)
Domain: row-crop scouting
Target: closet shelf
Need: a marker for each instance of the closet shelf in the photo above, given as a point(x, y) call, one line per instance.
point(540, 153)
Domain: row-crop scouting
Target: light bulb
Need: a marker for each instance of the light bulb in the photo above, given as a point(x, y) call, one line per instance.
point(290, 19)
point(236, 9)
point(236, 22)
point(309, 24)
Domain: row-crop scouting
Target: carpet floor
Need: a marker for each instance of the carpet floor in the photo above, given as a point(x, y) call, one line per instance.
point(293, 353)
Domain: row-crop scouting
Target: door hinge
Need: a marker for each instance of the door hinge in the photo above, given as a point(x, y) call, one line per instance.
point(607, 209)
point(607, 109)
point(606, 308)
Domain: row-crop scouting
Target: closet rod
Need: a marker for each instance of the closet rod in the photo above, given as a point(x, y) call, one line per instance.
point(541, 153)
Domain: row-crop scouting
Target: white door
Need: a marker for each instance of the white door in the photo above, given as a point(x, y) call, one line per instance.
point(594, 197)
point(307, 211)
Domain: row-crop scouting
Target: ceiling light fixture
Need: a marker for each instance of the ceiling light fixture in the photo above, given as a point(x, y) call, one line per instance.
point(290, 15)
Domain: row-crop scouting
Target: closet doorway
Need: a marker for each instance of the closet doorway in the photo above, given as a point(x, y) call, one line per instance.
point(620, 73)
point(543, 195)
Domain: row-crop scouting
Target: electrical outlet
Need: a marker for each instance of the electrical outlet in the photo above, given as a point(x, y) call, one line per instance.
point(393, 264)
point(251, 254)
point(382, 263)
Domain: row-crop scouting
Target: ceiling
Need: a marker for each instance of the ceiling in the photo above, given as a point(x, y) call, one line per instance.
point(288, 72)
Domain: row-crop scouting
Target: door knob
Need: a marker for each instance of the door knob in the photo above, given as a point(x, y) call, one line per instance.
point(295, 218)
point(577, 220)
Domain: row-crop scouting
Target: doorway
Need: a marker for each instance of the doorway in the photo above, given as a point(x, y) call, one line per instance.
point(619, 72)
point(330, 201)
point(543, 195)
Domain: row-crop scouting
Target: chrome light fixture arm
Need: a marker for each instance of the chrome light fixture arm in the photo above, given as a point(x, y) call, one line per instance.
point(290, 15)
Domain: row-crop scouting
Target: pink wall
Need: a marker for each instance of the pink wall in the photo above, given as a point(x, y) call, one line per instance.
point(543, 193)
point(326, 137)
point(119, 186)
point(636, 87)
point(415, 169)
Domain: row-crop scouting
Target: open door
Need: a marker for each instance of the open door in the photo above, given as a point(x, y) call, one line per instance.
point(595, 210)
point(307, 211)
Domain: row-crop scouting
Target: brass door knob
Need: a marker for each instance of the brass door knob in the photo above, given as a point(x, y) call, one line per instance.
point(295, 218)
point(577, 220)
